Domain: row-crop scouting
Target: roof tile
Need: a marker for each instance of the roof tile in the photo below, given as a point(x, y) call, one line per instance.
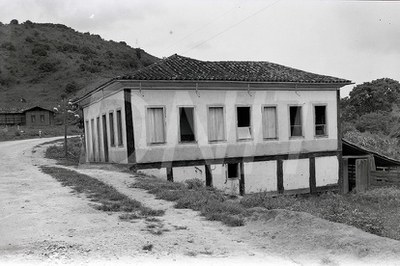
point(177, 67)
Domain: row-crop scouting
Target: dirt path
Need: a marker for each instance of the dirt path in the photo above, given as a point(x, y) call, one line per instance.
point(43, 222)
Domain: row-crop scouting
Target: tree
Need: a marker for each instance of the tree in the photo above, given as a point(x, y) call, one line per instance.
point(69, 112)
point(377, 95)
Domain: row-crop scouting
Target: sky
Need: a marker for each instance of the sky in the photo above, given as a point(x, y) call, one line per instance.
point(355, 40)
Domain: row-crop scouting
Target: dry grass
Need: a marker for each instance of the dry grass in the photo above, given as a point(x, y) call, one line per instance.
point(57, 152)
point(107, 197)
point(193, 195)
point(375, 211)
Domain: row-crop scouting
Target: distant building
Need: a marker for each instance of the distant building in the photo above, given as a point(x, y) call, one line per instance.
point(26, 116)
point(239, 126)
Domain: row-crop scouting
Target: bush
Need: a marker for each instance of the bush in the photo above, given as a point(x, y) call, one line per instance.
point(194, 183)
point(8, 46)
point(40, 49)
point(48, 67)
point(71, 87)
point(14, 22)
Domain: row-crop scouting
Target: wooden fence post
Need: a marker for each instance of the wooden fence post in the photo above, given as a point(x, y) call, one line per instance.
point(345, 181)
point(362, 173)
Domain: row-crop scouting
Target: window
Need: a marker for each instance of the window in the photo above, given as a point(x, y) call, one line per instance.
point(98, 135)
point(87, 137)
point(216, 124)
point(233, 170)
point(243, 122)
point(93, 139)
point(270, 122)
point(320, 120)
point(112, 134)
point(155, 125)
point(186, 124)
point(295, 121)
point(42, 118)
point(33, 118)
point(119, 128)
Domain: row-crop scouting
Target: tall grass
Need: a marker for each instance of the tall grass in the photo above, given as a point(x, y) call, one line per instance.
point(57, 152)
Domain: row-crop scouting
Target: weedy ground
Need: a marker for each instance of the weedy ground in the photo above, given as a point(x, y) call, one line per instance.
point(376, 211)
point(105, 197)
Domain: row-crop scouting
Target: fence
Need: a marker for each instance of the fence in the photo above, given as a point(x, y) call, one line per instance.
point(381, 178)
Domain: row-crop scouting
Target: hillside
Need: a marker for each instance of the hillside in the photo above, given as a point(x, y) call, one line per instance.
point(40, 62)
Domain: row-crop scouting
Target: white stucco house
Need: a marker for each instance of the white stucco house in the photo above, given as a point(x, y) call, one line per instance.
point(239, 126)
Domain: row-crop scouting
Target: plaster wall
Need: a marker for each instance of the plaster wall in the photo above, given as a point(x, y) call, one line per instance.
point(326, 170)
point(117, 153)
point(189, 172)
point(260, 176)
point(159, 173)
point(171, 100)
point(296, 174)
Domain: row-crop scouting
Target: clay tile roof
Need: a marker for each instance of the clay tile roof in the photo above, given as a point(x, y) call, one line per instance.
point(177, 67)
point(19, 108)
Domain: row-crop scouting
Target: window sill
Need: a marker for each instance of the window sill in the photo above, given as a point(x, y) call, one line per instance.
point(271, 139)
point(321, 136)
point(187, 142)
point(296, 138)
point(156, 144)
point(216, 141)
point(244, 140)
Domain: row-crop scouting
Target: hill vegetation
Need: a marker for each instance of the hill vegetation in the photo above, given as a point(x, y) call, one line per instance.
point(40, 62)
point(371, 118)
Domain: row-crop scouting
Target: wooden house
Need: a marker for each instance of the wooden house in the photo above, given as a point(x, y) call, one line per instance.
point(239, 126)
point(32, 115)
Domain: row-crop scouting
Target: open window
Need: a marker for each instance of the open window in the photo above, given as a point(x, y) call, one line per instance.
point(186, 124)
point(119, 128)
point(243, 122)
point(155, 125)
point(296, 129)
point(233, 170)
point(112, 133)
point(320, 120)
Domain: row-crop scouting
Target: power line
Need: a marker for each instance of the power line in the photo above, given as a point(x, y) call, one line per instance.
point(199, 29)
point(232, 26)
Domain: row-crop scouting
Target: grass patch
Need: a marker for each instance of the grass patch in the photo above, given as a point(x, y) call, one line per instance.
point(57, 152)
point(375, 211)
point(108, 197)
point(212, 204)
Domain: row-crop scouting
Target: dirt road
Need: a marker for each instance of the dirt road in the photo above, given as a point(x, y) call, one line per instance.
point(42, 222)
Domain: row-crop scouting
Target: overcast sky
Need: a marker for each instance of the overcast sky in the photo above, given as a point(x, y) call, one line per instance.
point(356, 40)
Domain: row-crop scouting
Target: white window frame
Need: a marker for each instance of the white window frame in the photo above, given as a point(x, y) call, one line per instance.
point(194, 124)
point(301, 118)
point(209, 121)
point(276, 121)
point(251, 122)
point(164, 125)
point(315, 119)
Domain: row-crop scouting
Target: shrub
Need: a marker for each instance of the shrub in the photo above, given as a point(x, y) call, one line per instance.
point(14, 22)
point(194, 183)
point(71, 87)
point(40, 49)
point(48, 67)
point(8, 46)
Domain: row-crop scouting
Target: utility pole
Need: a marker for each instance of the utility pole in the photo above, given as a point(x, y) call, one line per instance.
point(65, 131)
